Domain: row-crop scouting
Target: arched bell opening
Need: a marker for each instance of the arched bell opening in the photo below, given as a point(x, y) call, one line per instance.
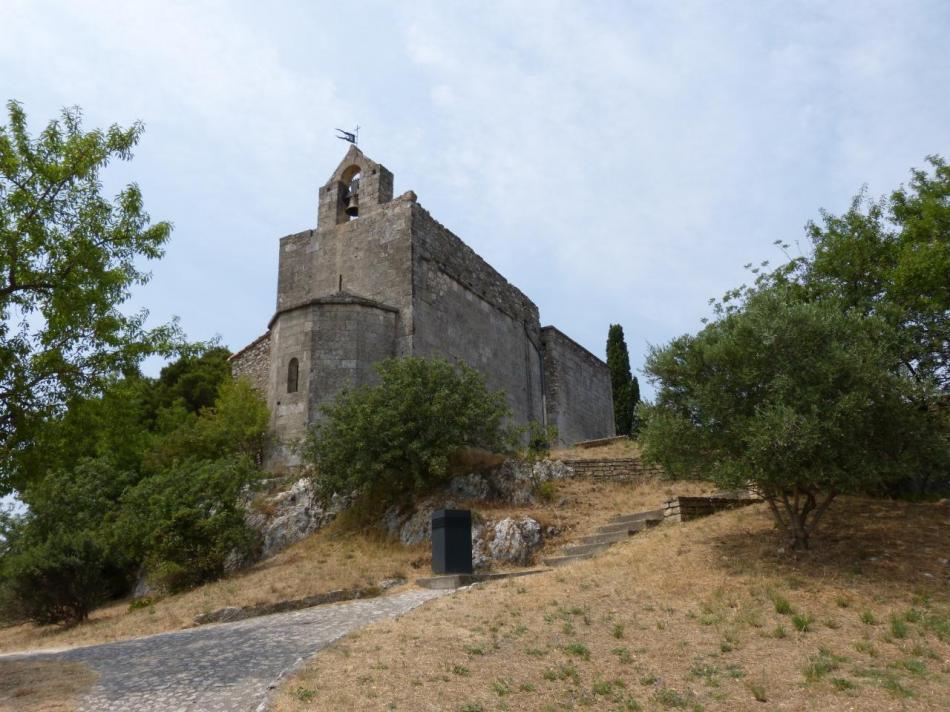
point(351, 198)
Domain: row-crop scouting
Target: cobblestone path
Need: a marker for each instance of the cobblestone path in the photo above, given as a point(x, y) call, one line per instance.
point(225, 667)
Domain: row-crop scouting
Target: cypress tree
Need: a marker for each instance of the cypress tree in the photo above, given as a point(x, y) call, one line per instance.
point(634, 401)
point(618, 361)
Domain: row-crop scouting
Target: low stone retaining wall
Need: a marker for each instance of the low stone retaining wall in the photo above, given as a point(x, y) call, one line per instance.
point(684, 509)
point(239, 613)
point(614, 469)
point(600, 442)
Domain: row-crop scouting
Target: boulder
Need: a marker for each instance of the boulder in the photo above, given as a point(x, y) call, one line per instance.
point(480, 555)
point(291, 515)
point(516, 540)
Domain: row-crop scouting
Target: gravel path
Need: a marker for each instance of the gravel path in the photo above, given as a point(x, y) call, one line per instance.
point(226, 667)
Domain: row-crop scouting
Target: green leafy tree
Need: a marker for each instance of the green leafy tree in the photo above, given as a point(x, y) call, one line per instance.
point(891, 258)
point(395, 438)
point(626, 389)
point(193, 380)
point(166, 498)
point(185, 522)
point(830, 374)
point(796, 399)
point(236, 425)
point(68, 258)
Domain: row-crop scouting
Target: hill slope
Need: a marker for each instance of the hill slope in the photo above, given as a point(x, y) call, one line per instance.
point(712, 614)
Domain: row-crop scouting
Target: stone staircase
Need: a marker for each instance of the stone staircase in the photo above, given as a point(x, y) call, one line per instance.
point(617, 529)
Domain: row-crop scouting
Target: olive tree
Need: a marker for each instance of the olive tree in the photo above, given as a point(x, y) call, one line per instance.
point(796, 399)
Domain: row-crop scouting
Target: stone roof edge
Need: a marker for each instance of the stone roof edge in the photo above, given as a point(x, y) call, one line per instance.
point(338, 298)
point(255, 342)
point(551, 327)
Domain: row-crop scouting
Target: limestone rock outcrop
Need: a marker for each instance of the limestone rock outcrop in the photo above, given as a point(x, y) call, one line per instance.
point(289, 516)
point(516, 541)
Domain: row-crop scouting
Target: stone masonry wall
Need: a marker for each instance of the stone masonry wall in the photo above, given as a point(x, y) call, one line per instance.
point(614, 469)
point(253, 363)
point(464, 310)
point(577, 389)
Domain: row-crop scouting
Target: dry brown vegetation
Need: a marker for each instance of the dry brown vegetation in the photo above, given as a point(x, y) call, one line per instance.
point(42, 686)
point(615, 450)
point(335, 558)
point(326, 561)
point(711, 614)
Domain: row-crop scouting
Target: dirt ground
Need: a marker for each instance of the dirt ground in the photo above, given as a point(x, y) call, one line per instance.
point(32, 686)
point(713, 614)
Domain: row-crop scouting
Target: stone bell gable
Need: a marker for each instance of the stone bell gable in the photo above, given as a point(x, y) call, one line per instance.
point(380, 277)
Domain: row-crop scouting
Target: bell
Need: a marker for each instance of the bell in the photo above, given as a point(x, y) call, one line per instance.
point(353, 205)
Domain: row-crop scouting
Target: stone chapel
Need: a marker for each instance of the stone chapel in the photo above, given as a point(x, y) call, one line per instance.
point(379, 277)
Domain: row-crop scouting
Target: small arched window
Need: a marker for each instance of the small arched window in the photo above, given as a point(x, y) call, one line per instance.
point(293, 371)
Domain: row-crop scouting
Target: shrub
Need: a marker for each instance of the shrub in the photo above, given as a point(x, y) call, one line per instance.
point(186, 521)
point(540, 439)
point(396, 438)
point(546, 491)
point(58, 580)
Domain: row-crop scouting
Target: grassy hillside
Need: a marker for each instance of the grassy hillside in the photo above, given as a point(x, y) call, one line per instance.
point(712, 614)
point(334, 558)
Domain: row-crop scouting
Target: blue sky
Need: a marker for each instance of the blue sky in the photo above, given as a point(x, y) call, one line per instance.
point(619, 162)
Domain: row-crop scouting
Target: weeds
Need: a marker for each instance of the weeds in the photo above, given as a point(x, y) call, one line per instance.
point(802, 622)
point(915, 667)
point(893, 686)
point(842, 684)
point(304, 694)
point(563, 672)
point(782, 606)
point(758, 691)
point(501, 688)
point(623, 655)
point(822, 664)
point(578, 650)
point(898, 627)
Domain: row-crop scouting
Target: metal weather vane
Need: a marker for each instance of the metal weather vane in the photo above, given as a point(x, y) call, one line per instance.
point(353, 137)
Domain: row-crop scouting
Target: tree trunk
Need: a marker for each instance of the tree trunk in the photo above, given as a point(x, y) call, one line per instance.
point(797, 511)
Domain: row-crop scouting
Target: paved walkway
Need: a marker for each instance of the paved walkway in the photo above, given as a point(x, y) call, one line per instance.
point(225, 667)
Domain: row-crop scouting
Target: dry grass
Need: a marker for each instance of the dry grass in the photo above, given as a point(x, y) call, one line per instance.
point(42, 686)
point(615, 450)
point(326, 561)
point(332, 559)
point(680, 617)
point(578, 506)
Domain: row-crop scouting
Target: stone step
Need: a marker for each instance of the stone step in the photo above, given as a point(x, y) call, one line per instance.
point(584, 549)
point(604, 538)
point(562, 560)
point(654, 515)
point(631, 528)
